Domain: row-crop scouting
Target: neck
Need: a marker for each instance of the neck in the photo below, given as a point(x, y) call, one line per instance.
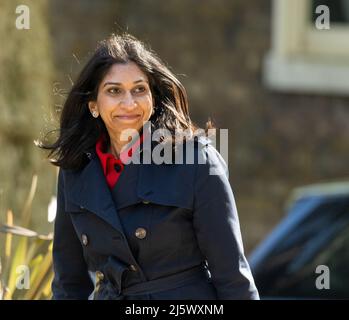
point(116, 144)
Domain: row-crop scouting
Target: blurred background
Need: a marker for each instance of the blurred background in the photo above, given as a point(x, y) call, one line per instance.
point(271, 72)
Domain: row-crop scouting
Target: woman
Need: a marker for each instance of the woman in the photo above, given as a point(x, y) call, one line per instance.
point(130, 229)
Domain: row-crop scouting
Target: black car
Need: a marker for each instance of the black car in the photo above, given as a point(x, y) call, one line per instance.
point(307, 255)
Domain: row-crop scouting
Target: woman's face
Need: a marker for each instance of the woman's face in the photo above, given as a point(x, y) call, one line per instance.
point(124, 99)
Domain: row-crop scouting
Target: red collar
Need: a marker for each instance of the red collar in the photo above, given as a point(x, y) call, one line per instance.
point(112, 167)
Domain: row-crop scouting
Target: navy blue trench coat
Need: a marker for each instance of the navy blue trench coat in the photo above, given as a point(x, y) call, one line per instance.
point(168, 231)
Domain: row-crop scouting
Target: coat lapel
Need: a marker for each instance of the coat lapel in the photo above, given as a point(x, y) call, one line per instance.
point(89, 190)
point(166, 184)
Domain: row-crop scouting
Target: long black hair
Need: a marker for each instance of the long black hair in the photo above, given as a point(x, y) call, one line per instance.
point(79, 131)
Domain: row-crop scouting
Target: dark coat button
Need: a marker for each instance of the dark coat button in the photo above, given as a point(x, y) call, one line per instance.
point(118, 167)
point(84, 239)
point(140, 233)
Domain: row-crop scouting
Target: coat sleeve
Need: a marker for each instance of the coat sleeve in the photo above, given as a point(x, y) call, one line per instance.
point(71, 278)
point(217, 228)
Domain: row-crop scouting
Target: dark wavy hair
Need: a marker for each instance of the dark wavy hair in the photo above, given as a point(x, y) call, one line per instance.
point(79, 131)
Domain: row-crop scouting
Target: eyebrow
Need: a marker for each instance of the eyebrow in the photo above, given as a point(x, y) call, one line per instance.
point(119, 83)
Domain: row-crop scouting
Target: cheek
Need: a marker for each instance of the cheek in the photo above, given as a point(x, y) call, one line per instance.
point(147, 112)
point(105, 103)
point(147, 104)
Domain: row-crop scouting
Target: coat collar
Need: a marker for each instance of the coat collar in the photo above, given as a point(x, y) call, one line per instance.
point(88, 188)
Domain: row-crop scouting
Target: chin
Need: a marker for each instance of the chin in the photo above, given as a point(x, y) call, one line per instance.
point(123, 126)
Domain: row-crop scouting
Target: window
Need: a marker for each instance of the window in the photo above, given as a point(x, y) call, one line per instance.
point(304, 58)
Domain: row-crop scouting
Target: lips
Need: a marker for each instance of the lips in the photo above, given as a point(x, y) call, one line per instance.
point(128, 117)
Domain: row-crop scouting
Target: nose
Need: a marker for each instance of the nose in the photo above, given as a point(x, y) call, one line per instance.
point(128, 101)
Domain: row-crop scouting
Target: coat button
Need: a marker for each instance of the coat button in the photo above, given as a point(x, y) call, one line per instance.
point(118, 168)
point(140, 233)
point(84, 239)
point(146, 202)
point(132, 267)
point(99, 275)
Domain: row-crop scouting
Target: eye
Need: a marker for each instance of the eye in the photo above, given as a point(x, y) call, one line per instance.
point(140, 89)
point(114, 90)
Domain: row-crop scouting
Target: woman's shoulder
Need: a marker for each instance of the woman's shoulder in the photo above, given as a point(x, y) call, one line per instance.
point(67, 177)
point(206, 146)
point(206, 153)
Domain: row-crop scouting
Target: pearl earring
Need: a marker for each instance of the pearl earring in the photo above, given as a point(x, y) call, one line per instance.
point(95, 114)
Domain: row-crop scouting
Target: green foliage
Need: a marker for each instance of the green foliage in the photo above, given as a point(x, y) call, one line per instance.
point(28, 251)
point(26, 104)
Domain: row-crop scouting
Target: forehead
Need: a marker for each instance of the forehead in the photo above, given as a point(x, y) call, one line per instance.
point(125, 73)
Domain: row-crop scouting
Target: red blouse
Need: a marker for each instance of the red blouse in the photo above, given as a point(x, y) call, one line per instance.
point(112, 167)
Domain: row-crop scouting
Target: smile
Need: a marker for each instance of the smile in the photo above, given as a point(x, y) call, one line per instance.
point(128, 117)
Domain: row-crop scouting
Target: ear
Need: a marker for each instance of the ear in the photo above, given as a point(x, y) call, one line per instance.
point(92, 105)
